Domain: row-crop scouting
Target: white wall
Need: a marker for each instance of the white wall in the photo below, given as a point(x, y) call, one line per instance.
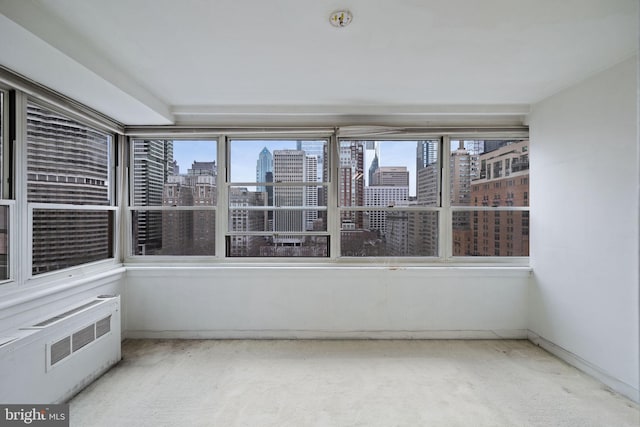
point(584, 225)
point(325, 302)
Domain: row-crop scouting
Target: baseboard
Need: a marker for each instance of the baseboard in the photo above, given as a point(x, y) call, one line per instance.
point(576, 361)
point(328, 334)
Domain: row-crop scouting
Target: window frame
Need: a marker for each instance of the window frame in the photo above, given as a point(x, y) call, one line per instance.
point(131, 207)
point(474, 260)
point(445, 211)
point(6, 180)
point(439, 209)
point(228, 184)
point(28, 206)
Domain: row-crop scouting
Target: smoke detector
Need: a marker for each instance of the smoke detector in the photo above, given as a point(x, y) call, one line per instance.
point(340, 18)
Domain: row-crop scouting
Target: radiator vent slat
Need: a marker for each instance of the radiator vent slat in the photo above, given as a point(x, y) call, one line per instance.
point(83, 337)
point(66, 314)
point(60, 350)
point(103, 326)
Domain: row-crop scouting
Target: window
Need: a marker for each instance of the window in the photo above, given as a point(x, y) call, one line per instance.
point(277, 198)
point(328, 197)
point(173, 197)
point(69, 190)
point(497, 204)
point(6, 206)
point(389, 198)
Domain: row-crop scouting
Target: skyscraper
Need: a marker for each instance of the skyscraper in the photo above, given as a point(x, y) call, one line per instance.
point(152, 164)
point(289, 166)
point(391, 176)
point(67, 163)
point(423, 226)
point(263, 166)
point(314, 149)
point(384, 196)
point(311, 192)
point(461, 162)
point(352, 181)
point(426, 154)
point(375, 163)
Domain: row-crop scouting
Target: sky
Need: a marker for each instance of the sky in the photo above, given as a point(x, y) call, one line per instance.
point(244, 155)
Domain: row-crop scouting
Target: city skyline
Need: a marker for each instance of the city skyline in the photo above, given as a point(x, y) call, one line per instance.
point(497, 177)
point(243, 160)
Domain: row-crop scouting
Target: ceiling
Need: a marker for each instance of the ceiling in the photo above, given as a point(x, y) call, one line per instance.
point(167, 61)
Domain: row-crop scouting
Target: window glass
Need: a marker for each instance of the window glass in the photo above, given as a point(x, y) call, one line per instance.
point(4, 242)
point(493, 174)
point(180, 174)
point(4, 210)
point(277, 187)
point(68, 163)
point(387, 176)
point(65, 238)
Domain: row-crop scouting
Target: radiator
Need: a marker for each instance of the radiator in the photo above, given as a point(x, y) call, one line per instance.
point(52, 359)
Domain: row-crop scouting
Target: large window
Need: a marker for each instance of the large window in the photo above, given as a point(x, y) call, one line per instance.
point(489, 191)
point(429, 199)
point(174, 197)
point(277, 198)
point(69, 190)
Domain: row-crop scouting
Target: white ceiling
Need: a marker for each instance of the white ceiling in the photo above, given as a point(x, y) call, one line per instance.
point(161, 61)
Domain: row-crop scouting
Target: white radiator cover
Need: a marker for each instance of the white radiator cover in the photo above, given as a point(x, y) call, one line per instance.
point(57, 356)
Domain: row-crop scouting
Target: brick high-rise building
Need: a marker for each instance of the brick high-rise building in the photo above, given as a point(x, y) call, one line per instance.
point(190, 232)
point(246, 220)
point(504, 182)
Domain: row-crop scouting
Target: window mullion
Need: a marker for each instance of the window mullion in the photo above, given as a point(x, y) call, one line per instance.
point(223, 184)
point(445, 224)
point(333, 212)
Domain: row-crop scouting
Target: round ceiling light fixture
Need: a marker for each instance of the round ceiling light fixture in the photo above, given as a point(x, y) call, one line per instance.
point(341, 18)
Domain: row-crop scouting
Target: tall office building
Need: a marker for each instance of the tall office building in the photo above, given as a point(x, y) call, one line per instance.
point(391, 176)
point(423, 226)
point(152, 164)
point(397, 235)
point(426, 153)
point(375, 164)
point(67, 163)
point(383, 196)
point(460, 170)
point(351, 191)
point(314, 149)
point(289, 166)
point(264, 165)
point(311, 192)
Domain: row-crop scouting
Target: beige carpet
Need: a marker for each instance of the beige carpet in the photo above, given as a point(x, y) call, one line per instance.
point(346, 383)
